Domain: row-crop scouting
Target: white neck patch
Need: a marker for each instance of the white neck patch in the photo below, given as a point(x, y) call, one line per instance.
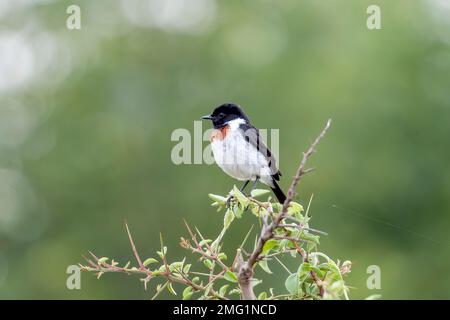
point(234, 124)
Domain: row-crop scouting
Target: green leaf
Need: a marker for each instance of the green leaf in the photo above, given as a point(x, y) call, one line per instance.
point(259, 193)
point(186, 268)
point(258, 211)
point(176, 265)
point(262, 296)
point(277, 207)
point(187, 293)
point(219, 199)
point(162, 268)
point(196, 280)
point(295, 208)
point(336, 288)
point(223, 290)
point(310, 237)
point(264, 266)
point(171, 290)
point(204, 241)
point(208, 264)
point(235, 291)
point(324, 267)
point(292, 283)
point(230, 276)
point(237, 210)
point(228, 218)
point(150, 261)
point(269, 245)
point(102, 260)
point(310, 246)
point(240, 197)
point(304, 271)
point(222, 256)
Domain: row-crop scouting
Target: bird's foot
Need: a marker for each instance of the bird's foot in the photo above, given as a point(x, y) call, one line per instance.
point(229, 199)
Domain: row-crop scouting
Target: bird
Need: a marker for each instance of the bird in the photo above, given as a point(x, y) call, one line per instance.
point(239, 150)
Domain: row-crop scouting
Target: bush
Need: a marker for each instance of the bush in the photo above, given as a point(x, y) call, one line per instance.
point(284, 230)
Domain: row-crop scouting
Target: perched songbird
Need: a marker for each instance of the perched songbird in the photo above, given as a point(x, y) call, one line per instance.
point(239, 151)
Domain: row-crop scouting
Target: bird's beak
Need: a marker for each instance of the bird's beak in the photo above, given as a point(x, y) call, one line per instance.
point(208, 117)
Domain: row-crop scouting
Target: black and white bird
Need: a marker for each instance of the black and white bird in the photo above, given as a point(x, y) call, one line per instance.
point(240, 152)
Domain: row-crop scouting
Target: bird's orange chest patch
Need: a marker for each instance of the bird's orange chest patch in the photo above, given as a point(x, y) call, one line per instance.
point(220, 134)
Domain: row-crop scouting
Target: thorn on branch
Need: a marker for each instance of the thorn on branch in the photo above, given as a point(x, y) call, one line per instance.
point(133, 247)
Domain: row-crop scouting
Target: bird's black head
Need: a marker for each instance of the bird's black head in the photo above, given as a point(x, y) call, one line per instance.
point(225, 113)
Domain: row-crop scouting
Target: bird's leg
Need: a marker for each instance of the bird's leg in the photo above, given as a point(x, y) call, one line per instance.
point(245, 184)
point(254, 184)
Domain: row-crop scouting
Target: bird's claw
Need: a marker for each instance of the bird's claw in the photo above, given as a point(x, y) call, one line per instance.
point(229, 199)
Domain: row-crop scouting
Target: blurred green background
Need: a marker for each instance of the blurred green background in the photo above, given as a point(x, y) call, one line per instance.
point(86, 118)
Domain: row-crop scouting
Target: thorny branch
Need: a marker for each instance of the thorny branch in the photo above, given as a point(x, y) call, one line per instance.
point(172, 275)
point(245, 271)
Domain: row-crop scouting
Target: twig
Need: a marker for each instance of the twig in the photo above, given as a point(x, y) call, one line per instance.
point(283, 265)
point(133, 247)
point(246, 269)
point(100, 266)
point(160, 290)
point(198, 249)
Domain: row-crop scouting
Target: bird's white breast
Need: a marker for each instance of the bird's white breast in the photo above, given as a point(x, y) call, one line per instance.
point(238, 158)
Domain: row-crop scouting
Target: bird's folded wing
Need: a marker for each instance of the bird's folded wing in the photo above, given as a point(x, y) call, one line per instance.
point(251, 135)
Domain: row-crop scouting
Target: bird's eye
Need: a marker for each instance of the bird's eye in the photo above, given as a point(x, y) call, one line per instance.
point(221, 115)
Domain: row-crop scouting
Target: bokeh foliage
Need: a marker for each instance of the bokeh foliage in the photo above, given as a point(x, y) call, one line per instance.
point(86, 118)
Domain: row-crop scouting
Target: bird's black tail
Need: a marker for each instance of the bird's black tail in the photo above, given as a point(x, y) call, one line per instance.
point(278, 192)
